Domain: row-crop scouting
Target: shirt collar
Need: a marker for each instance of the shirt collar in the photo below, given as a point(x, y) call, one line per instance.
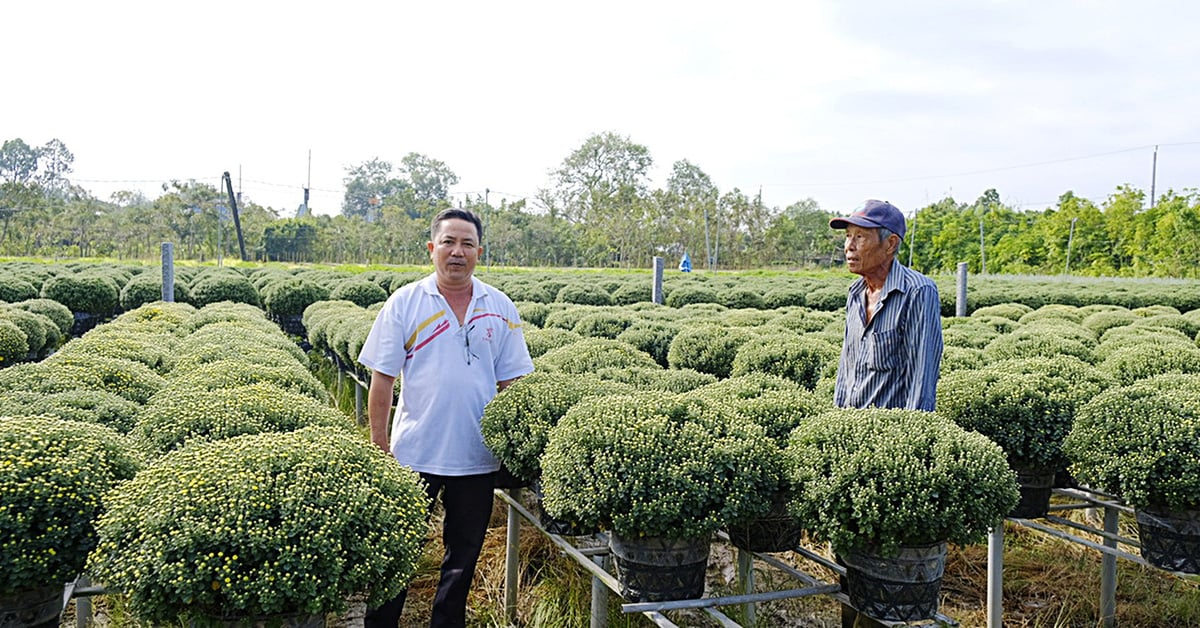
point(479, 289)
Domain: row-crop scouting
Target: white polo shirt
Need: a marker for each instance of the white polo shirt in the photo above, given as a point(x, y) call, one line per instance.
point(448, 372)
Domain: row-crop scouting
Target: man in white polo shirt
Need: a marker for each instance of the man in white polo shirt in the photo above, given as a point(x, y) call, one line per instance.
point(455, 342)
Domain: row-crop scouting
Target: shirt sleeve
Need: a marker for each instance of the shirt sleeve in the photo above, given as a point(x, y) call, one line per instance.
point(383, 350)
point(924, 348)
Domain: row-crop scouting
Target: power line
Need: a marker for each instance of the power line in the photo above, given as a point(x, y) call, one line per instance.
point(983, 171)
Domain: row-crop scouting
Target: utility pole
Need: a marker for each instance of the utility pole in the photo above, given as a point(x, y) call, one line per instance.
point(1153, 175)
point(982, 259)
point(1070, 237)
point(912, 239)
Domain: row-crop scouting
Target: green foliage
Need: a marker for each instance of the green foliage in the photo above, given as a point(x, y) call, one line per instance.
point(967, 332)
point(55, 311)
point(87, 294)
point(541, 341)
point(224, 287)
point(604, 324)
point(873, 479)
point(39, 331)
point(1100, 322)
point(687, 295)
point(127, 379)
point(584, 294)
point(516, 422)
point(655, 465)
point(1029, 341)
point(156, 349)
point(1135, 362)
point(784, 296)
point(532, 312)
point(631, 293)
point(53, 475)
point(230, 373)
point(1011, 311)
point(87, 406)
point(738, 298)
point(289, 297)
point(13, 289)
point(1027, 412)
point(1142, 442)
point(187, 417)
point(359, 291)
point(802, 359)
point(652, 337)
point(707, 348)
point(673, 381)
point(961, 359)
point(1053, 311)
point(804, 320)
point(591, 354)
point(262, 524)
point(147, 288)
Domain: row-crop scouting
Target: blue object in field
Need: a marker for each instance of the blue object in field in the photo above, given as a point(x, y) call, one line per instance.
point(685, 264)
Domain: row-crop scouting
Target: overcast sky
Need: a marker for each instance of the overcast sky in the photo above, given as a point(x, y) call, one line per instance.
point(838, 101)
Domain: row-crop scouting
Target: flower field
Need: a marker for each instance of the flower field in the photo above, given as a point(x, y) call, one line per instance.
point(257, 497)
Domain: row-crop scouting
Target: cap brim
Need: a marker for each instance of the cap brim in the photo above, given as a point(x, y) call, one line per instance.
point(858, 221)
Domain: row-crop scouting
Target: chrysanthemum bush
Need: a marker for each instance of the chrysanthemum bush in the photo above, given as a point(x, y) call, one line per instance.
point(802, 359)
point(590, 354)
point(872, 480)
point(262, 525)
point(516, 422)
point(672, 381)
point(1142, 442)
point(53, 474)
point(187, 416)
point(124, 378)
point(235, 372)
point(88, 406)
point(289, 297)
point(1026, 406)
point(651, 465)
point(707, 348)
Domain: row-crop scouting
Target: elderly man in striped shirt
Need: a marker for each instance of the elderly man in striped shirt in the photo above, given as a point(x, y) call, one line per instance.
point(892, 348)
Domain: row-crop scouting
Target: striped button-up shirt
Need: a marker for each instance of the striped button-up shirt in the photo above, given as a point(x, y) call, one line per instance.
point(893, 361)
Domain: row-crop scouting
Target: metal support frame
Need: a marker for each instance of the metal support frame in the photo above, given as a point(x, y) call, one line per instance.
point(1108, 547)
point(593, 561)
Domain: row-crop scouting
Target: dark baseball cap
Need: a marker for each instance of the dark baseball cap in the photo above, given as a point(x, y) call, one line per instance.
point(873, 214)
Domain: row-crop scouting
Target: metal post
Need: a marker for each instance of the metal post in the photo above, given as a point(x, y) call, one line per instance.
point(168, 272)
point(960, 303)
point(599, 596)
point(83, 605)
point(982, 257)
point(657, 292)
point(1108, 572)
point(358, 402)
point(745, 570)
point(995, 577)
point(512, 559)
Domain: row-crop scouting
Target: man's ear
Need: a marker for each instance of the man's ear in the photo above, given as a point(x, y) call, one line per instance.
point(895, 241)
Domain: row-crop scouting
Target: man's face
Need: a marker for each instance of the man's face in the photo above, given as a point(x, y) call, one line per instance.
point(454, 250)
point(865, 253)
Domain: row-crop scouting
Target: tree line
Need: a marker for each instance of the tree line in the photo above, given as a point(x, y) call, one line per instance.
point(598, 210)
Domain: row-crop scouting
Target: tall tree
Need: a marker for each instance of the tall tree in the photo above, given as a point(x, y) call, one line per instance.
point(430, 179)
point(367, 186)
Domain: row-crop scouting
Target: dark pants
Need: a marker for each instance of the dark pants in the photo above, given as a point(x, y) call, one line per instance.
point(467, 502)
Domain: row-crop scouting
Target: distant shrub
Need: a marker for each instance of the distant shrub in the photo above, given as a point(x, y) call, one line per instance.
point(785, 296)
point(532, 312)
point(1055, 311)
point(147, 288)
point(224, 287)
point(1025, 342)
point(89, 294)
point(1177, 322)
point(1141, 361)
point(359, 291)
point(968, 334)
point(14, 345)
point(631, 293)
point(804, 320)
point(186, 417)
point(1011, 311)
point(604, 324)
point(584, 294)
point(738, 298)
point(652, 337)
point(55, 311)
point(801, 359)
point(13, 289)
point(529, 291)
point(673, 381)
point(541, 341)
point(590, 354)
point(1100, 322)
point(288, 297)
point(828, 298)
point(687, 295)
point(566, 316)
point(37, 328)
point(707, 348)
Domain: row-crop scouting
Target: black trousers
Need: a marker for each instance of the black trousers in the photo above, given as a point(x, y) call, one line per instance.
point(467, 502)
